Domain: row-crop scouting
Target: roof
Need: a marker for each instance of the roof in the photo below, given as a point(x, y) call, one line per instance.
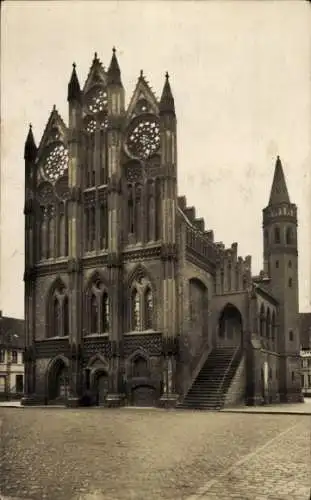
point(305, 330)
point(12, 332)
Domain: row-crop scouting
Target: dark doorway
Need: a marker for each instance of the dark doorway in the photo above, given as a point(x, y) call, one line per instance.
point(144, 395)
point(58, 383)
point(230, 326)
point(101, 387)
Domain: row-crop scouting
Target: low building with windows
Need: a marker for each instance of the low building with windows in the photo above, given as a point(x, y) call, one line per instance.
point(127, 294)
point(12, 345)
point(305, 336)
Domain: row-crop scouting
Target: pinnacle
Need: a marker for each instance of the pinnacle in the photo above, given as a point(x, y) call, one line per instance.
point(114, 73)
point(279, 192)
point(30, 150)
point(74, 91)
point(167, 104)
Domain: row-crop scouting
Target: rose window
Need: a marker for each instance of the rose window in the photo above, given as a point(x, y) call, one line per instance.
point(144, 139)
point(56, 163)
point(98, 102)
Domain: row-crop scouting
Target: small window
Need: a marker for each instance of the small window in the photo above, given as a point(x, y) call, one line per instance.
point(293, 376)
point(291, 335)
point(2, 355)
point(14, 356)
point(277, 264)
point(290, 264)
point(290, 282)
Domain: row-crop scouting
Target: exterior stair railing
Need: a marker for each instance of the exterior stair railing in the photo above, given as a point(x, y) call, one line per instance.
point(197, 362)
point(237, 351)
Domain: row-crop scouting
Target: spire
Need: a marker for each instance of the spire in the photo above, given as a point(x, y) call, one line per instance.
point(74, 91)
point(30, 151)
point(114, 73)
point(167, 100)
point(279, 193)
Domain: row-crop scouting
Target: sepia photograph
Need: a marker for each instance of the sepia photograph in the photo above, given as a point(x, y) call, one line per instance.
point(155, 250)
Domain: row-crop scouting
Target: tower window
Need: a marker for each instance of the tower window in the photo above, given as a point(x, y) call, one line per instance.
point(290, 264)
point(277, 235)
point(276, 263)
point(291, 335)
point(293, 376)
point(290, 282)
point(289, 236)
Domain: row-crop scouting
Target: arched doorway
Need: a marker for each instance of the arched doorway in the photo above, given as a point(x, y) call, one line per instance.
point(58, 381)
point(230, 326)
point(100, 386)
point(143, 395)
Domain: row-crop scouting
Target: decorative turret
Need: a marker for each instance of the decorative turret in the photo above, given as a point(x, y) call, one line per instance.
point(30, 150)
point(74, 90)
point(167, 105)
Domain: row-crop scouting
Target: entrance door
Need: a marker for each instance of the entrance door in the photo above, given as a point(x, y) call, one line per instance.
point(144, 395)
point(101, 388)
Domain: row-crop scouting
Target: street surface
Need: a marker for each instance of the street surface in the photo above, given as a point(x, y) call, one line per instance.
point(150, 454)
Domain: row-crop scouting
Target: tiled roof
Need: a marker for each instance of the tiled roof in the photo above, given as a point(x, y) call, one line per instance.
point(12, 332)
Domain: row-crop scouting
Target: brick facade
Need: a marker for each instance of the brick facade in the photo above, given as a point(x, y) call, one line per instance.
point(125, 289)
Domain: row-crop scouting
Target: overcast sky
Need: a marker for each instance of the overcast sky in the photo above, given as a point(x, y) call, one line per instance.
point(240, 73)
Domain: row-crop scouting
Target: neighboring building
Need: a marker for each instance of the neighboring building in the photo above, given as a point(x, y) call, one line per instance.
point(305, 338)
point(12, 345)
point(127, 295)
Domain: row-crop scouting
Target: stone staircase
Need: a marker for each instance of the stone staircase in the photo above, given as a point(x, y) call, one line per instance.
point(209, 389)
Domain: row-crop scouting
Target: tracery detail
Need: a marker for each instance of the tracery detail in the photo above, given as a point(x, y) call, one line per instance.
point(56, 163)
point(144, 138)
point(98, 101)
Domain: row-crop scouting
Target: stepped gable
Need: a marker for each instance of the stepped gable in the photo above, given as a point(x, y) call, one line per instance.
point(233, 273)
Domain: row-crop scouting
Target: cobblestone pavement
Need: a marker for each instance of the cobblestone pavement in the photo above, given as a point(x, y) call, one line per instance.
point(93, 454)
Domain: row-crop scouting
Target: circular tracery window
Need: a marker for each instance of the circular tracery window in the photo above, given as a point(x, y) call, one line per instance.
point(144, 139)
point(56, 163)
point(98, 101)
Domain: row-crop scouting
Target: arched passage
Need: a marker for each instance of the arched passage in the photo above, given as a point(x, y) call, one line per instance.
point(230, 326)
point(58, 380)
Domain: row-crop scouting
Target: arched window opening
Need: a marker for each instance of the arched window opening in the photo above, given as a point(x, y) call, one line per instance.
point(105, 326)
point(56, 321)
point(104, 225)
point(66, 316)
point(290, 282)
point(94, 314)
point(135, 316)
point(51, 236)
point(151, 218)
point(61, 235)
point(140, 367)
point(290, 264)
point(273, 327)
point(277, 264)
point(268, 324)
point(130, 211)
point(291, 335)
point(230, 324)
point(148, 309)
point(289, 236)
point(137, 213)
point(92, 228)
point(262, 322)
point(277, 235)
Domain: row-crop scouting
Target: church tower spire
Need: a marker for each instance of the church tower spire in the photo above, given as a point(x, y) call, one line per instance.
point(279, 192)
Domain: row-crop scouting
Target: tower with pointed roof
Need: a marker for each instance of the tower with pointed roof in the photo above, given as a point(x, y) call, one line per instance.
point(281, 267)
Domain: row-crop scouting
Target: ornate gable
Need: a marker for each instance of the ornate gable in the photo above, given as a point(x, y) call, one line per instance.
point(143, 100)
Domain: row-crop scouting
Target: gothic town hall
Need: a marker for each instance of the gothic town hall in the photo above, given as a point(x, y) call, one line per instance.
point(128, 298)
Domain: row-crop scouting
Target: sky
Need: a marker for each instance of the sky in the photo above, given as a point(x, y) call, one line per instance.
point(240, 74)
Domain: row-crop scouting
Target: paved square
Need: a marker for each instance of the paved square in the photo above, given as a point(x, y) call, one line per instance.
point(133, 454)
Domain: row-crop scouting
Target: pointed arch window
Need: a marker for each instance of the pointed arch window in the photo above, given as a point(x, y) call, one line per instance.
point(136, 311)
point(262, 322)
point(57, 312)
point(148, 309)
point(94, 313)
point(277, 235)
point(105, 313)
point(130, 210)
point(92, 227)
point(56, 320)
point(289, 236)
point(104, 224)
